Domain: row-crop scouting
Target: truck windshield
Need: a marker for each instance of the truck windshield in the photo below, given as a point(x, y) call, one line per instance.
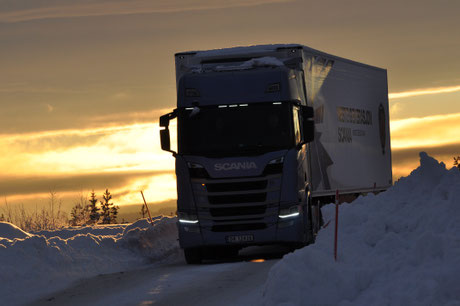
point(240, 129)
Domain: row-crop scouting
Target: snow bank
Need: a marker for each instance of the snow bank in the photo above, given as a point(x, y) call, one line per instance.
point(400, 247)
point(11, 231)
point(99, 230)
point(34, 265)
point(153, 242)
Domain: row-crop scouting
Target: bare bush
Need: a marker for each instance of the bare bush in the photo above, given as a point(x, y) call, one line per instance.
point(47, 218)
point(80, 214)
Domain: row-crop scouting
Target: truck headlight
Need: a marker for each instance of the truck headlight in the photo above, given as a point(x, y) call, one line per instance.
point(290, 212)
point(194, 165)
point(188, 218)
point(278, 160)
point(274, 166)
point(197, 171)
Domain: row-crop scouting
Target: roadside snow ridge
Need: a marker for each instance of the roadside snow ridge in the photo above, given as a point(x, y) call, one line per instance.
point(400, 247)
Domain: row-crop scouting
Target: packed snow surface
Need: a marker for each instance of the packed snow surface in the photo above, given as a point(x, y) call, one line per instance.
point(401, 247)
point(32, 265)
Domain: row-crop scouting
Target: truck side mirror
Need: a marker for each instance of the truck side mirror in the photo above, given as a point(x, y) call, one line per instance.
point(308, 124)
point(164, 134)
point(165, 140)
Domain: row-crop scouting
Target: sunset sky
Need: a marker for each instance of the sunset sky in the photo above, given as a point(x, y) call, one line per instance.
point(82, 83)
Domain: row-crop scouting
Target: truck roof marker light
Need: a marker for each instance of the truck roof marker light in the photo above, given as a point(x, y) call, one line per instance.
point(290, 215)
point(277, 103)
point(243, 104)
point(233, 105)
point(189, 108)
point(188, 221)
point(222, 106)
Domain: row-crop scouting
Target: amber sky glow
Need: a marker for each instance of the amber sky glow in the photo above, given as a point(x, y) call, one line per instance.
point(82, 83)
point(426, 131)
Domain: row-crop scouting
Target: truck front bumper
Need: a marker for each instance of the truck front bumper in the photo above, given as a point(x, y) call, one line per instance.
point(278, 232)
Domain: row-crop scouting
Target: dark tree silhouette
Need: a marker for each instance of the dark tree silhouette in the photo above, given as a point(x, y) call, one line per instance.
point(94, 214)
point(109, 211)
point(77, 215)
point(457, 162)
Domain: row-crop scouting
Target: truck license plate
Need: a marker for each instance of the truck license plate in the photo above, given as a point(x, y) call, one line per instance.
point(240, 238)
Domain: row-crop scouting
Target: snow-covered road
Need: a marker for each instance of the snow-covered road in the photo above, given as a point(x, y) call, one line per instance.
point(231, 283)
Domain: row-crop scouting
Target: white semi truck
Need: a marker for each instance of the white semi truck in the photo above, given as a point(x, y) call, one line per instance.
point(266, 135)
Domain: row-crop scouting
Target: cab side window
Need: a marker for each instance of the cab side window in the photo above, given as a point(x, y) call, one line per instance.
point(297, 131)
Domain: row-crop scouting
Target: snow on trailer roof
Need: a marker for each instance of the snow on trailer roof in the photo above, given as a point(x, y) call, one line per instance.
point(258, 49)
point(239, 50)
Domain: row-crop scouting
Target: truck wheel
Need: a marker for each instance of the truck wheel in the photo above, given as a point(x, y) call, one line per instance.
point(308, 236)
point(193, 256)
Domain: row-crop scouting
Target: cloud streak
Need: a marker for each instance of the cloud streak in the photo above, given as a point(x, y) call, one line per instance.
point(120, 148)
point(24, 185)
point(427, 131)
point(24, 10)
point(423, 91)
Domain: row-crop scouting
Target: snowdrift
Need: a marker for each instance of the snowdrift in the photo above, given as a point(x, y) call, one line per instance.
point(98, 230)
point(11, 231)
point(32, 265)
point(401, 247)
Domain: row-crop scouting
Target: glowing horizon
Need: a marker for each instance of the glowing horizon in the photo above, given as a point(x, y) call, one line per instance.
point(430, 131)
point(132, 151)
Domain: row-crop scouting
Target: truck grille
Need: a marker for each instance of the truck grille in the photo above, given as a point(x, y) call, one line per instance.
point(238, 198)
point(236, 204)
point(236, 186)
point(238, 211)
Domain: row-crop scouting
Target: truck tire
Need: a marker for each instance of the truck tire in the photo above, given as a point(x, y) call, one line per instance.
point(193, 256)
point(308, 235)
